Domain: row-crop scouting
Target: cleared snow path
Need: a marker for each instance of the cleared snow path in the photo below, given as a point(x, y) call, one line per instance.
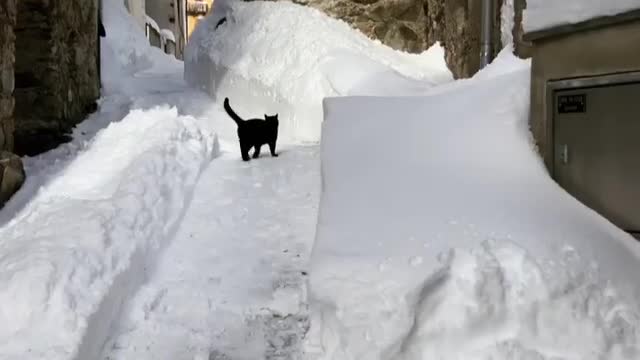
point(230, 285)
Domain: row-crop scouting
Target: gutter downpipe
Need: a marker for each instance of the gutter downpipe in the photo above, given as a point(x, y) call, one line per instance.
point(485, 32)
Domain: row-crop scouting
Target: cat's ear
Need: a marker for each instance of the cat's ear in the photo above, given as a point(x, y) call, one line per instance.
point(265, 116)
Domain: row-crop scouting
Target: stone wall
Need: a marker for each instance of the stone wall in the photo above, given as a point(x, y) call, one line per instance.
point(7, 22)
point(414, 25)
point(401, 24)
point(56, 77)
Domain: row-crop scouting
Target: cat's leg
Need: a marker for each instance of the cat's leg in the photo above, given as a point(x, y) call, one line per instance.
point(256, 151)
point(272, 148)
point(244, 150)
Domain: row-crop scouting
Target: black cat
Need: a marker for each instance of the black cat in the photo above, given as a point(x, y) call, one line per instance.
point(254, 133)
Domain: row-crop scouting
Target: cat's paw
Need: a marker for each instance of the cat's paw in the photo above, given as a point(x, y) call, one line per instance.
point(274, 155)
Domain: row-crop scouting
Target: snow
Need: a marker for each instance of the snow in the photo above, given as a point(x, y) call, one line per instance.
point(88, 234)
point(167, 35)
point(126, 51)
point(279, 57)
point(441, 236)
point(544, 14)
point(152, 23)
point(83, 233)
point(507, 22)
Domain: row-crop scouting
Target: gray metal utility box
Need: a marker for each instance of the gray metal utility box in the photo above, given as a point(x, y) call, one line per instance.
point(596, 144)
point(585, 112)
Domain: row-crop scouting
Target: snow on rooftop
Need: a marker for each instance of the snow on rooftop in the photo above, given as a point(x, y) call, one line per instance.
point(152, 22)
point(545, 14)
point(168, 35)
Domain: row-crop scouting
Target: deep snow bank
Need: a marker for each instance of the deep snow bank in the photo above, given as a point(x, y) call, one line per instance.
point(543, 14)
point(69, 257)
point(125, 50)
point(285, 58)
point(441, 236)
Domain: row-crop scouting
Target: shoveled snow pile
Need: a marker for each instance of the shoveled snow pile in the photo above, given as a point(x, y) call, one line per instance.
point(284, 58)
point(72, 255)
point(86, 228)
point(441, 236)
point(544, 14)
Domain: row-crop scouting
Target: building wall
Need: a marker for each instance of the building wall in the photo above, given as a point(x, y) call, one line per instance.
point(137, 10)
point(56, 73)
point(165, 13)
point(415, 25)
point(7, 23)
point(192, 21)
point(612, 49)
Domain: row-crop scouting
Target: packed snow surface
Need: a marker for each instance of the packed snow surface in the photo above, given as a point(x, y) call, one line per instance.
point(230, 285)
point(441, 236)
point(544, 14)
point(284, 58)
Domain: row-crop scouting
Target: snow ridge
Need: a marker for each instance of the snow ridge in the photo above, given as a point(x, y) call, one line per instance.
point(280, 57)
point(90, 236)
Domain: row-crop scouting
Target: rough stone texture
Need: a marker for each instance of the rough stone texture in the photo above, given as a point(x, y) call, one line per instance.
point(401, 24)
point(56, 75)
point(523, 48)
point(12, 175)
point(7, 40)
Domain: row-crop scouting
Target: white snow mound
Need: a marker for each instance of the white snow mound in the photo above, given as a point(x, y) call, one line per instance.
point(279, 57)
point(544, 14)
point(89, 237)
point(441, 236)
point(125, 50)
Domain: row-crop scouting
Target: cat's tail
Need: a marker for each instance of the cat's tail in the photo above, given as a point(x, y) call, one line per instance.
point(232, 113)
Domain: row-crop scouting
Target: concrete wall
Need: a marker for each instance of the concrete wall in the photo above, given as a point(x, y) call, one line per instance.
point(7, 41)
point(612, 49)
point(56, 71)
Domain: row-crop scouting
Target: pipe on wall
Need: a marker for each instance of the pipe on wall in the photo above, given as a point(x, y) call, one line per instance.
point(486, 46)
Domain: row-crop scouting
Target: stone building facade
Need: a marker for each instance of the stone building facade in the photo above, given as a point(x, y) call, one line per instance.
point(7, 46)
point(49, 78)
point(56, 70)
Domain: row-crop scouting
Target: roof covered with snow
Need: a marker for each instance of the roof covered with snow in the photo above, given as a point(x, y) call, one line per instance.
point(152, 23)
point(546, 14)
point(285, 58)
point(168, 35)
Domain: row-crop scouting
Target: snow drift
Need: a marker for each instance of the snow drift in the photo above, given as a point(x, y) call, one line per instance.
point(543, 14)
point(441, 236)
point(69, 258)
point(278, 57)
point(125, 50)
point(103, 209)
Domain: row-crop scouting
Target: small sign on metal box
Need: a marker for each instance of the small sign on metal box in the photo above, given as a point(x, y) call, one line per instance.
point(576, 103)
